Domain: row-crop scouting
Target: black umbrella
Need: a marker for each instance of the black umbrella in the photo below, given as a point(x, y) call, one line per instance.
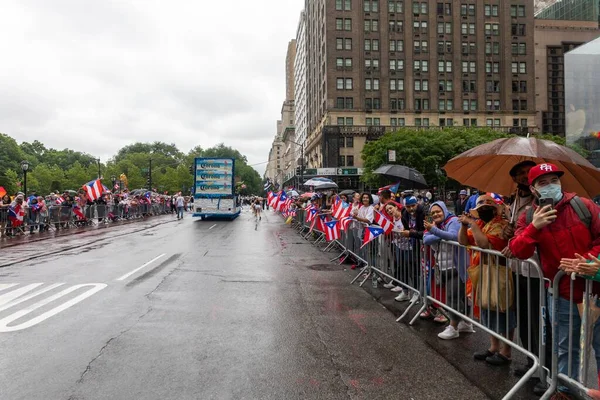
point(408, 177)
point(347, 192)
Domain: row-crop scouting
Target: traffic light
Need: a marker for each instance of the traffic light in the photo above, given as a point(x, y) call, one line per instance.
point(191, 169)
point(298, 170)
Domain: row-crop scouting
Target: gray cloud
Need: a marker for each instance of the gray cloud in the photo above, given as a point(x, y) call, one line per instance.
point(95, 76)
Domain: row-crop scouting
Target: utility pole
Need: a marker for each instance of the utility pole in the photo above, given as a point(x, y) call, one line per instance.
point(150, 174)
point(301, 165)
point(98, 160)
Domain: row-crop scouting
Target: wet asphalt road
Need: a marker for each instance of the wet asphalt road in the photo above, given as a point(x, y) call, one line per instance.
point(204, 310)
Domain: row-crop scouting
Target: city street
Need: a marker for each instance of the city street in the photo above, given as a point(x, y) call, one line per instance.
point(205, 310)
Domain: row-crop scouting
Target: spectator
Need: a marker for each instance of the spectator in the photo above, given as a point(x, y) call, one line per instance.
point(461, 202)
point(180, 202)
point(472, 201)
point(451, 263)
point(560, 233)
point(413, 217)
point(486, 232)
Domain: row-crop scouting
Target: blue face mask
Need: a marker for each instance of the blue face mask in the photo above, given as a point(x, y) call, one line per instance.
point(552, 191)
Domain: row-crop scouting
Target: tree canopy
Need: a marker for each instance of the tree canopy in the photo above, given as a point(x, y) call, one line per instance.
point(57, 170)
point(427, 150)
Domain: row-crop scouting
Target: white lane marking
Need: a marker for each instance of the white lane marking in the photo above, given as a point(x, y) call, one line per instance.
point(95, 287)
point(4, 305)
point(212, 227)
point(127, 275)
point(4, 286)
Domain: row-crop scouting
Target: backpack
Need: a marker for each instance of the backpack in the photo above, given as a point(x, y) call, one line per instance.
point(580, 209)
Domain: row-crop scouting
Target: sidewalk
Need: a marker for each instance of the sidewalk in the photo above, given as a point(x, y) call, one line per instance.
point(7, 242)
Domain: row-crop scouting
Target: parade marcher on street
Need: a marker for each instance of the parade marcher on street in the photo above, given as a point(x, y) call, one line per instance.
point(180, 203)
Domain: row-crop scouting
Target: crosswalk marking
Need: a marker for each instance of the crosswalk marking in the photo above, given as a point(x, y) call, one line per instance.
point(17, 296)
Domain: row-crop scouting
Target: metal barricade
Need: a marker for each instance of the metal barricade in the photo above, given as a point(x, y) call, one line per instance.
point(575, 332)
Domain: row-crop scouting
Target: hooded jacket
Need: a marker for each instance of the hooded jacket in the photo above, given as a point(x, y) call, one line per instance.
point(563, 238)
point(417, 232)
point(448, 231)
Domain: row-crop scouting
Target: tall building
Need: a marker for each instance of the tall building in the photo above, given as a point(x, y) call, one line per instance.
point(568, 10)
point(375, 65)
point(300, 86)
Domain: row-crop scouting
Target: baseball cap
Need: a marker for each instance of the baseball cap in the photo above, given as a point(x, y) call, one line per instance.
point(485, 200)
point(543, 169)
point(526, 163)
point(463, 192)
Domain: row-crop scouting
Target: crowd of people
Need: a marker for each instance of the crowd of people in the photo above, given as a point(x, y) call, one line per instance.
point(541, 221)
point(21, 214)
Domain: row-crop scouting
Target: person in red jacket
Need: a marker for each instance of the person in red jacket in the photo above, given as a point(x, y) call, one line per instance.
point(558, 232)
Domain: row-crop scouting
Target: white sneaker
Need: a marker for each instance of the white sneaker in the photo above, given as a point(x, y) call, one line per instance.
point(389, 285)
point(465, 327)
point(448, 333)
point(402, 297)
point(415, 298)
point(396, 289)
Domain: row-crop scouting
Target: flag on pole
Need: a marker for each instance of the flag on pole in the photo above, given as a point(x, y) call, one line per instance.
point(371, 232)
point(77, 211)
point(16, 214)
point(59, 200)
point(343, 210)
point(274, 199)
point(310, 216)
point(321, 222)
point(281, 202)
point(93, 189)
point(345, 222)
point(332, 230)
point(383, 222)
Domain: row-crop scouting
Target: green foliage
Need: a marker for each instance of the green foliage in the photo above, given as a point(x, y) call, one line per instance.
point(425, 150)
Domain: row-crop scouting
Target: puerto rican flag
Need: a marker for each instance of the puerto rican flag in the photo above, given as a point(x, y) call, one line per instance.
point(332, 230)
point(270, 196)
point(313, 220)
point(371, 232)
point(383, 222)
point(497, 198)
point(274, 200)
point(60, 200)
point(77, 211)
point(281, 202)
point(321, 222)
point(16, 214)
point(342, 210)
point(345, 222)
point(310, 215)
point(94, 189)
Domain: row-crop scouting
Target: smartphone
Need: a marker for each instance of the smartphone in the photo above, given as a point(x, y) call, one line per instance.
point(547, 201)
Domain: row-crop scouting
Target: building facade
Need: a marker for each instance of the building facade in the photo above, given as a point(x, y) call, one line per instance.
point(300, 86)
point(553, 39)
point(375, 65)
point(568, 10)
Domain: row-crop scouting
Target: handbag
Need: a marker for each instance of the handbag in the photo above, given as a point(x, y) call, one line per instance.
point(493, 286)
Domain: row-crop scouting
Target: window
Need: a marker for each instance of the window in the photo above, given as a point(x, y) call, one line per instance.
point(492, 29)
point(396, 65)
point(347, 44)
point(445, 86)
point(492, 86)
point(350, 160)
point(492, 105)
point(444, 66)
point(420, 46)
point(367, 44)
point(349, 103)
point(492, 67)
point(492, 48)
point(396, 26)
point(397, 45)
point(419, 8)
point(445, 105)
point(339, 102)
point(344, 83)
point(444, 8)
point(519, 68)
point(339, 24)
point(342, 161)
point(397, 122)
point(490, 10)
point(350, 122)
point(467, 29)
point(421, 66)
point(349, 142)
point(421, 104)
point(347, 24)
point(372, 122)
point(396, 85)
point(397, 104)
point(517, 29)
point(469, 87)
point(421, 121)
point(340, 121)
point(339, 44)
point(339, 62)
point(372, 84)
point(419, 27)
point(348, 63)
point(517, 11)
point(371, 25)
point(371, 6)
point(338, 5)
point(467, 10)
point(444, 28)
point(396, 6)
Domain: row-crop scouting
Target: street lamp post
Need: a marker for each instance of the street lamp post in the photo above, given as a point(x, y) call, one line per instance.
point(114, 182)
point(24, 168)
point(99, 172)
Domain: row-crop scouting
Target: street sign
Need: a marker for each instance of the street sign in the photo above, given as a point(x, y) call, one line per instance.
point(392, 155)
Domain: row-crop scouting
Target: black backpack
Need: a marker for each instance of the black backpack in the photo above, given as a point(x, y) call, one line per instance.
point(578, 205)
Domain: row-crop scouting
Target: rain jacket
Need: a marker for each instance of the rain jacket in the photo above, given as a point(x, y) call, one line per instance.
point(447, 231)
point(563, 238)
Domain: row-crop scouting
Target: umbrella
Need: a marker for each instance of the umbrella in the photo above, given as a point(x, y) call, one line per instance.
point(321, 183)
point(71, 192)
point(307, 194)
point(486, 167)
point(293, 193)
point(407, 176)
point(348, 192)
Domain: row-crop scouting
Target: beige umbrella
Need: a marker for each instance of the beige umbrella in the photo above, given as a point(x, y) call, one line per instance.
point(486, 167)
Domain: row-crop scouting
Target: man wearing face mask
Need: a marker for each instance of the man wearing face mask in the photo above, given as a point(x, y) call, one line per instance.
point(560, 231)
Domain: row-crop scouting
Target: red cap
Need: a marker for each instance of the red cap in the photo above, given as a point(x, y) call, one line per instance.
point(543, 169)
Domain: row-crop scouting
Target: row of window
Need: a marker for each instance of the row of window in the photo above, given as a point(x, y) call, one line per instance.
point(423, 104)
point(421, 46)
point(489, 10)
point(444, 66)
point(491, 122)
point(469, 86)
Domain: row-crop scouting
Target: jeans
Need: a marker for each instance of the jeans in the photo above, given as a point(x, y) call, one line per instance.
point(564, 336)
point(179, 212)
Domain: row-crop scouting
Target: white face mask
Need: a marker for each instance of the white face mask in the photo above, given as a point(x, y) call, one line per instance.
point(552, 191)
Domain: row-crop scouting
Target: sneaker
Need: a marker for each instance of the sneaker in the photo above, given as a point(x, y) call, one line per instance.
point(425, 314)
point(465, 327)
point(415, 298)
point(449, 333)
point(402, 297)
point(396, 289)
point(440, 318)
point(389, 285)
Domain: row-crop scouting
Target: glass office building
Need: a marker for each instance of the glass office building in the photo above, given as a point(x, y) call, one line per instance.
point(568, 10)
point(582, 98)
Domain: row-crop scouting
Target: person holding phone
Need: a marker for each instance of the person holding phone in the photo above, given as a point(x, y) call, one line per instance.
point(564, 226)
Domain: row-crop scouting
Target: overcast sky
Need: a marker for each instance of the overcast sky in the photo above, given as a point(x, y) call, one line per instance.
point(96, 75)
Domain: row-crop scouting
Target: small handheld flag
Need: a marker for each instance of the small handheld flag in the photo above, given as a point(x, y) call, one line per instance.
point(371, 232)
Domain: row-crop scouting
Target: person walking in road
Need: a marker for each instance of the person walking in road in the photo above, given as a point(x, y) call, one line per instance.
point(180, 203)
point(257, 208)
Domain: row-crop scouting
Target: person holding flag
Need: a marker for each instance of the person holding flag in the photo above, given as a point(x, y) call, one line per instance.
point(4, 221)
point(394, 210)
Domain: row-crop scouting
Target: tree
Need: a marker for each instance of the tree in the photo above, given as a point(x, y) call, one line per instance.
point(11, 156)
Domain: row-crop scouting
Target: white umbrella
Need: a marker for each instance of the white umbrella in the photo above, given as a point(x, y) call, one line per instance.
point(321, 183)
